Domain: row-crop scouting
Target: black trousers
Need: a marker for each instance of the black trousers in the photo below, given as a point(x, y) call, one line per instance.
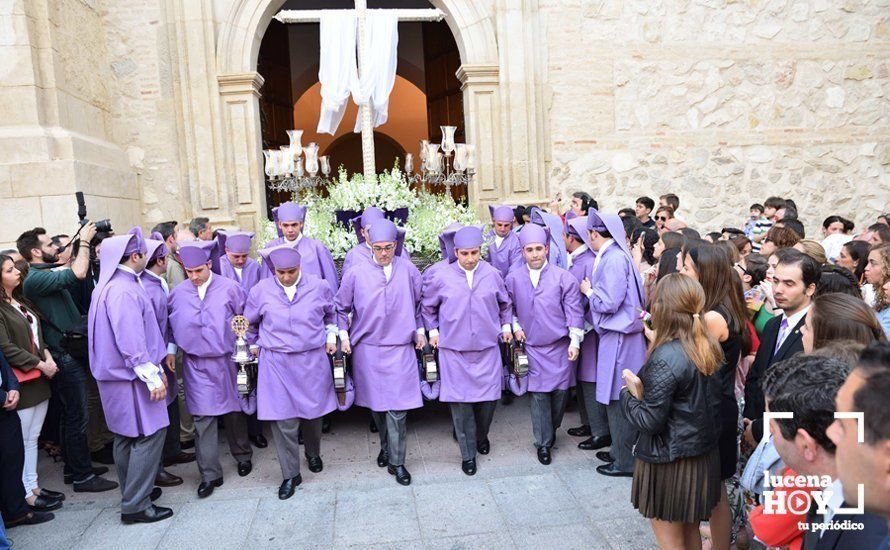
point(12, 461)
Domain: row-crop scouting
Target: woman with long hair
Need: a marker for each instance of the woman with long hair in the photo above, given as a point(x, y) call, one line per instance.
point(877, 273)
point(837, 316)
point(21, 340)
point(674, 406)
point(725, 318)
point(643, 242)
point(854, 256)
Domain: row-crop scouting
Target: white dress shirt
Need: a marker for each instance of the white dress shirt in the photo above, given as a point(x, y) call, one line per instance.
point(295, 241)
point(792, 322)
point(238, 271)
point(202, 289)
point(498, 240)
point(834, 502)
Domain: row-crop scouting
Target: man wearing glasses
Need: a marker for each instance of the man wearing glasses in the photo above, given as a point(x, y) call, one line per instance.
point(386, 327)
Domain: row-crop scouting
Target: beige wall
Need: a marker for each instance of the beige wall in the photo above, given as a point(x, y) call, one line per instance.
point(722, 103)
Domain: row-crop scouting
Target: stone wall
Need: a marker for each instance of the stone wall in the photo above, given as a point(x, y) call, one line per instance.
point(723, 103)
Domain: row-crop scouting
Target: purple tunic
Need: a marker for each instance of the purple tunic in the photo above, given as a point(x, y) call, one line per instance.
point(251, 273)
point(361, 252)
point(155, 290)
point(585, 366)
point(545, 314)
point(295, 378)
point(124, 333)
point(507, 256)
point(469, 321)
point(385, 319)
point(202, 330)
point(614, 312)
point(315, 260)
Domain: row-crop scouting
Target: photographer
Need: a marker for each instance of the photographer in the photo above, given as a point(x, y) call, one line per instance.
point(49, 291)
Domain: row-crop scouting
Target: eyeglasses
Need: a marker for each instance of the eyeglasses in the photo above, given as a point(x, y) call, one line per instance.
point(388, 248)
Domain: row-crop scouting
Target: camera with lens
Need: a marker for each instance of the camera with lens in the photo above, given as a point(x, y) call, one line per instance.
point(101, 225)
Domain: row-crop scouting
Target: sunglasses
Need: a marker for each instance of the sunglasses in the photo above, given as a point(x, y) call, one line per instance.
point(662, 218)
point(742, 269)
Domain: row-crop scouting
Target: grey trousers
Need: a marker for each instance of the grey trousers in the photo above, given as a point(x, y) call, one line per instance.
point(593, 412)
point(207, 443)
point(547, 411)
point(392, 426)
point(186, 422)
point(136, 460)
point(471, 424)
point(622, 437)
point(287, 437)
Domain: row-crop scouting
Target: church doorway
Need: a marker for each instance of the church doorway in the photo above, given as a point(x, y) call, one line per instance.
point(427, 93)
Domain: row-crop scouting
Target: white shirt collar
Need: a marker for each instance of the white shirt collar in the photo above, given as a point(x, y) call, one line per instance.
point(300, 236)
point(835, 501)
point(122, 267)
point(469, 273)
point(535, 274)
point(202, 289)
point(291, 290)
point(606, 245)
point(387, 269)
point(578, 251)
point(498, 240)
point(794, 319)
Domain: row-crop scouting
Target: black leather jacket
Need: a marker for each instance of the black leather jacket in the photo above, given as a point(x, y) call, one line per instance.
point(678, 417)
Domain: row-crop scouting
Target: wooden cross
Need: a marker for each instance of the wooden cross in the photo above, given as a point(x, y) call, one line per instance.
point(361, 10)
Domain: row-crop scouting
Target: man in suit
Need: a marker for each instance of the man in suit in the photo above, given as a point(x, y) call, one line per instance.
point(807, 385)
point(865, 391)
point(794, 284)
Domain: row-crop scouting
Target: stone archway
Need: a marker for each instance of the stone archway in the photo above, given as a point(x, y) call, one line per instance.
point(504, 114)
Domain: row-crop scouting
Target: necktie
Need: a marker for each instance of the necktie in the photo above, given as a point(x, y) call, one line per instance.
point(783, 328)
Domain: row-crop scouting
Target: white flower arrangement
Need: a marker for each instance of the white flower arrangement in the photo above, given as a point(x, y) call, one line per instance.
point(429, 213)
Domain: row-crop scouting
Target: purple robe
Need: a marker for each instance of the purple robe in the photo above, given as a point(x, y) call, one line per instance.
point(585, 366)
point(545, 314)
point(295, 379)
point(201, 328)
point(507, 256)
point(361, 253)
point(315, 259)
point(158, 296)
point(251, 273)
point(124, 333)
point(469, 321)
point(614, 312)
point(385, 319)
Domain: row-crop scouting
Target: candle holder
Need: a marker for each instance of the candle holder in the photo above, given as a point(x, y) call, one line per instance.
point(294, 168)
point(450, 164)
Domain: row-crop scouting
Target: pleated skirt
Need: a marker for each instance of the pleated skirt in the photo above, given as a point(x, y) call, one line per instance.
point(686, 490)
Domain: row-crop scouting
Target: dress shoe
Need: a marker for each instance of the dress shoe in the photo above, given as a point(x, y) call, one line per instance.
point(97, 471)
point(190, 444)
point(382, 458)
point(611, 471)
point(288, 487)
point(605, 456)
point(544, 455)
point(580, 431)
point(166, 479)
point(483, 447)
point(325, 425)
point(469, 467)
point(596, 442)
point(31, 518)
point(205, 489)
point(260, 441)
point(181, 458)
point(149, 515)
point(52, 494)
point(315, 464)
point(105, 455)
point(401, 473)
point(373, 427)
point(44, 503)
point(155, 494)
point(245, 467)
point(95, 484)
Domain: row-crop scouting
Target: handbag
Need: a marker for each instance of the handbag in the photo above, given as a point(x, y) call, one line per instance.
point(26, 376)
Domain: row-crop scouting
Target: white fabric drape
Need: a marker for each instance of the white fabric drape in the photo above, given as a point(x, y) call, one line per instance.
point(378, 78)
point(338, 67)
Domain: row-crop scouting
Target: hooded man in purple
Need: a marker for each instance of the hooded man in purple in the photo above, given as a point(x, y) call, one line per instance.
point(126, 346)
point(594, 423)
point(549, 319)
point(237, 265)
point(315, 259)
point(152, 279)
point(201, 313)
point(292, 326)
point(504, 252)
point(362, 251)
point(614, 292)
point(466, 310)
point(386, 328)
